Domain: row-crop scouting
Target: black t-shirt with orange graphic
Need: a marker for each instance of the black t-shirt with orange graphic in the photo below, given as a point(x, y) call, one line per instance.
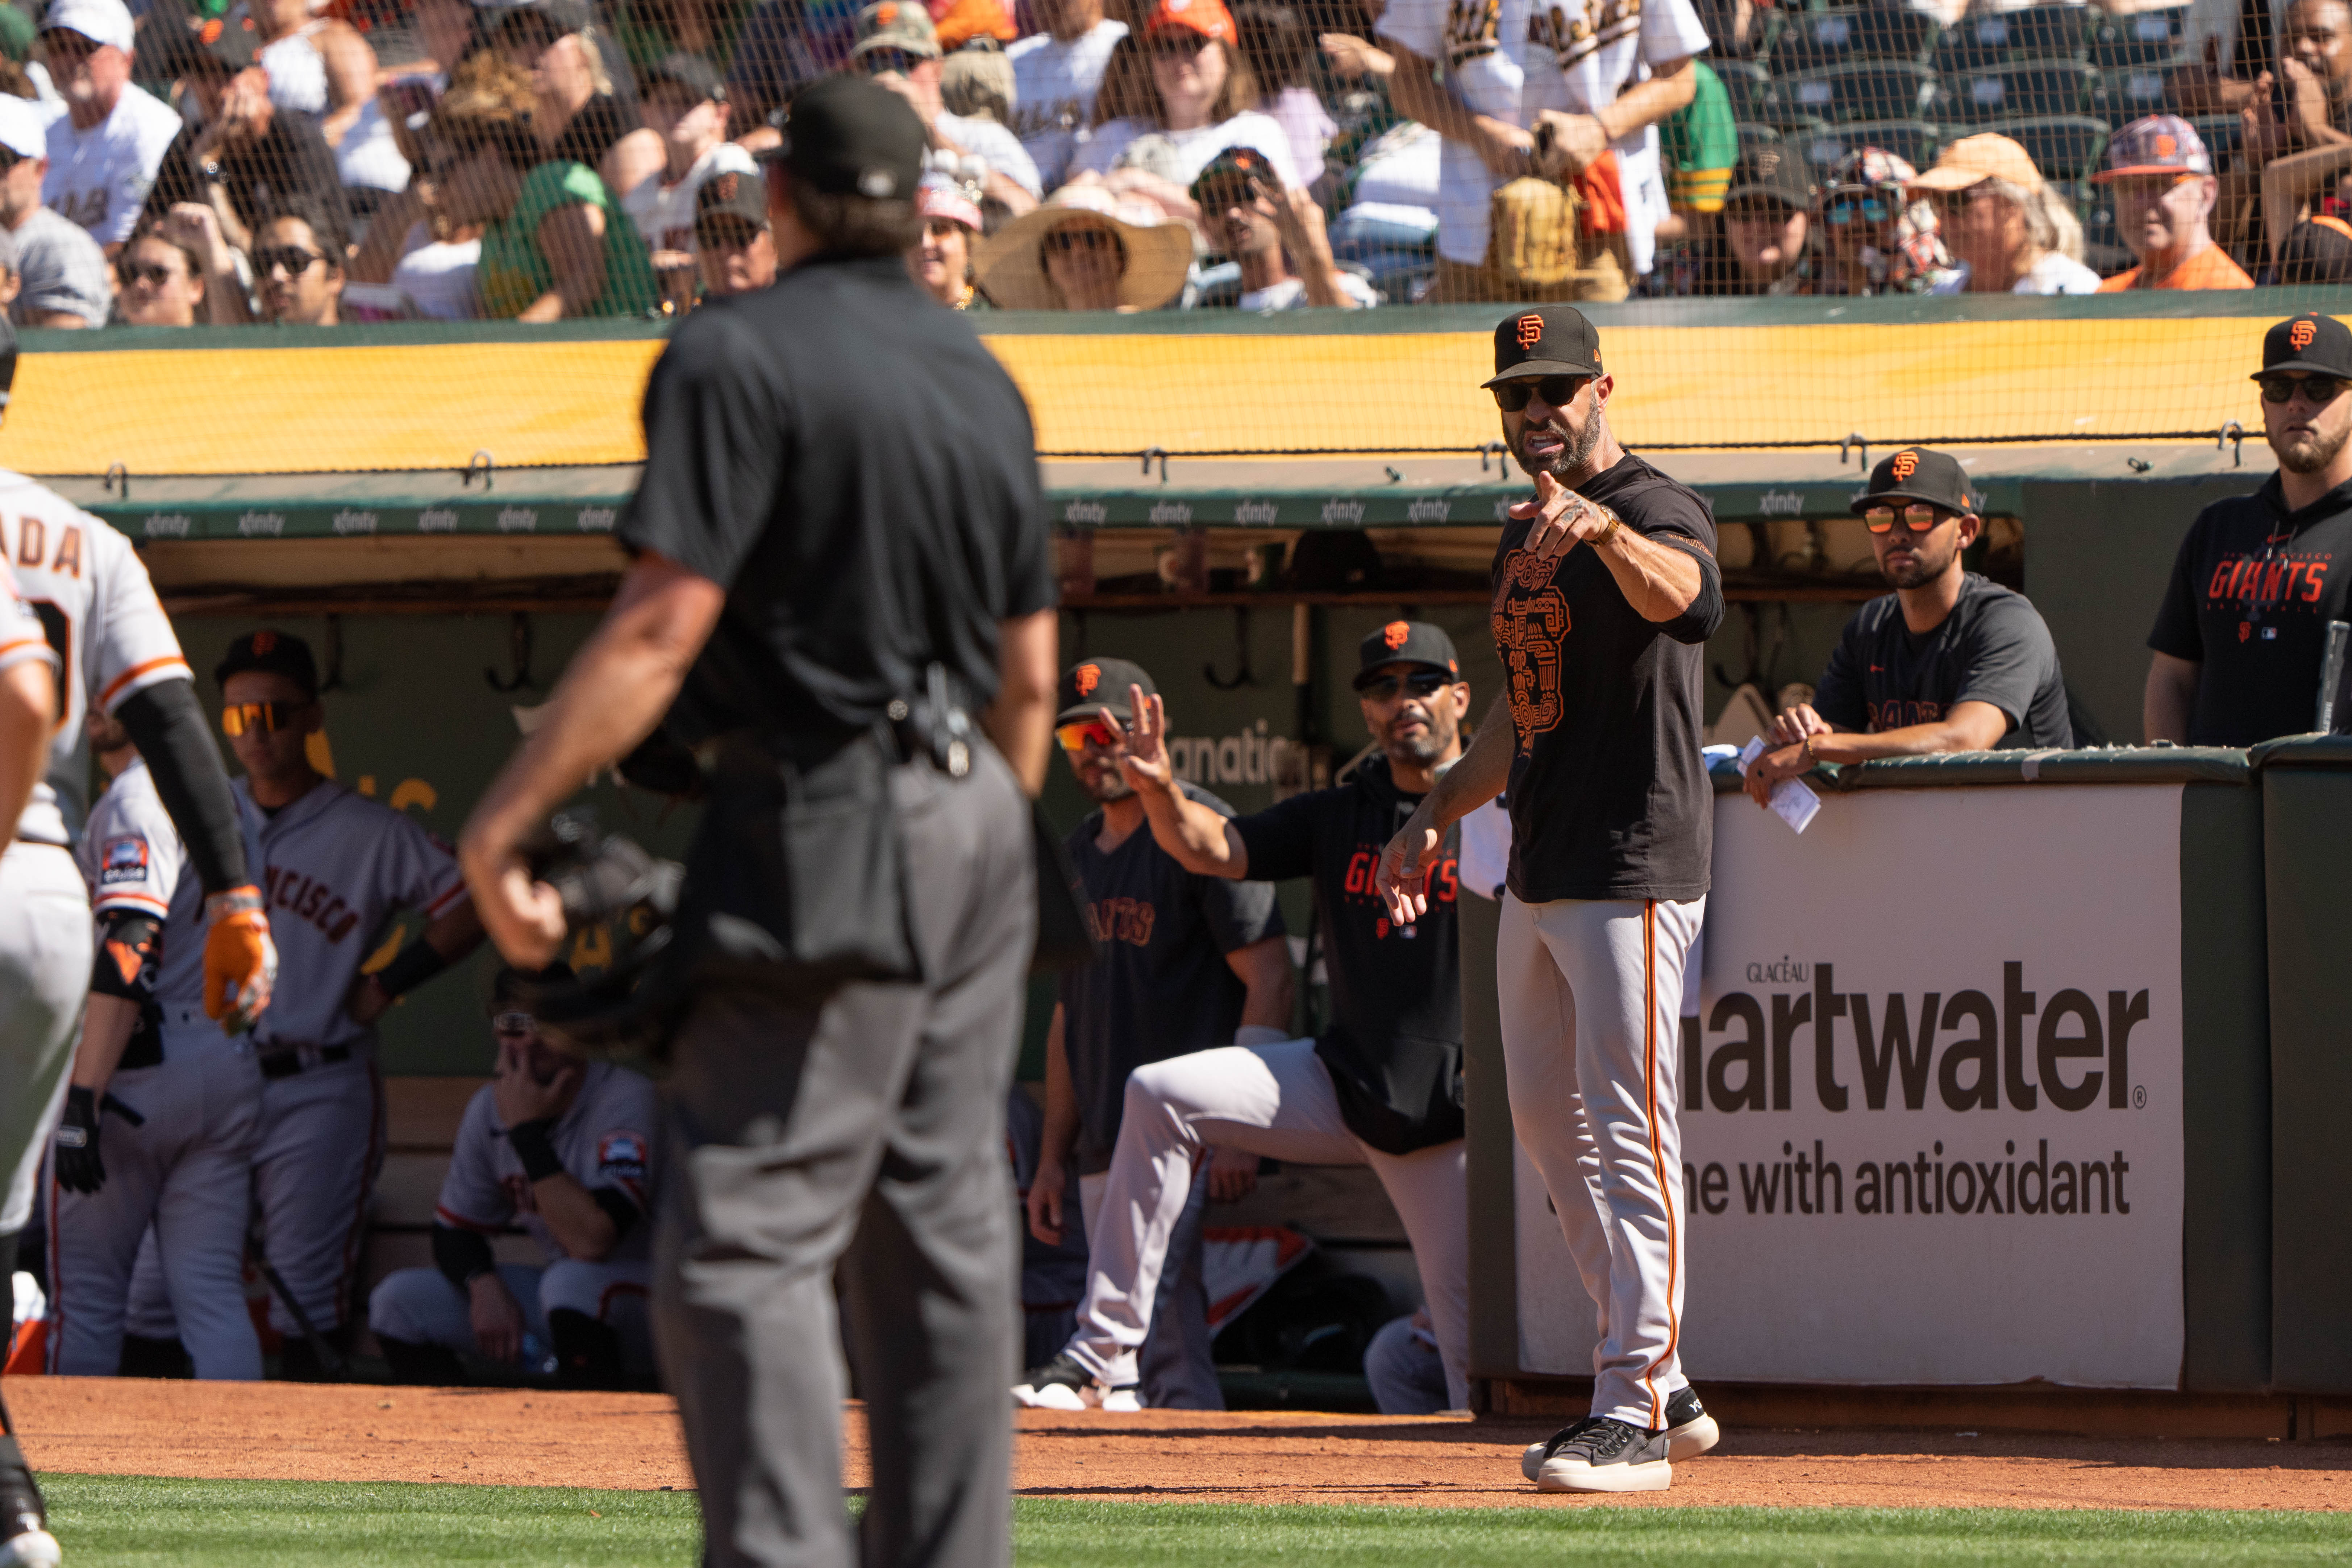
point(1609, 795)
point(1394, 1045)
point(2252, 591)
point(1162, 986)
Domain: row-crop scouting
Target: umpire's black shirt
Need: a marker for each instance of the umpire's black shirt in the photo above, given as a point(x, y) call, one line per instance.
point(842, 456)
point(1394, 1046)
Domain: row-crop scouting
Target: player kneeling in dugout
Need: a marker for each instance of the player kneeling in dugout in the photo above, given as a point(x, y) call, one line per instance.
point(1947, 662)
point(564, 1149)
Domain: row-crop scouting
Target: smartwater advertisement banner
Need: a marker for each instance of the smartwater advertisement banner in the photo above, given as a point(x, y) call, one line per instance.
point(1930, 1099)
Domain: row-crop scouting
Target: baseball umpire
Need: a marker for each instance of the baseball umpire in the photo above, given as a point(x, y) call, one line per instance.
point(841, 562)
point(1596, 736)
point(118, 655)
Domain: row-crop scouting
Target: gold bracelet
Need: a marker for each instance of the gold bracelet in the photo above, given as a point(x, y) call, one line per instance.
point(1809, 750)
point(1615, 523)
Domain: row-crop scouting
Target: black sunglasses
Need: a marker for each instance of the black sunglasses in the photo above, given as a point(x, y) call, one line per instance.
point(1559, 391)
point(1420, 683)
point(2318, 390)
point(881, 61)
point(150, 272)
point(1179, 41)
point(293, 257)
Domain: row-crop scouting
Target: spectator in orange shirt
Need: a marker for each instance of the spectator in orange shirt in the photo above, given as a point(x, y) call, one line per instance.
point(2165, 191)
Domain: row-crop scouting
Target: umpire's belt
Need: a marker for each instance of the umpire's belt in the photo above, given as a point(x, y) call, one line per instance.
point(281, 1059)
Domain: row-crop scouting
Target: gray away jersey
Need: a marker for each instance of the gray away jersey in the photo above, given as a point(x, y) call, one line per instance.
point(605, 1139)
point(133, 859)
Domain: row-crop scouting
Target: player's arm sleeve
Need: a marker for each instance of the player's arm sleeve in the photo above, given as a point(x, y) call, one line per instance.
point(1684, 523)
point(2010, 657)
point(461, 1255)
point(718, 432)
point(2176, 631)
point(170, 732)
point(1280, 840)
point(123, 966)
point(1839, 697)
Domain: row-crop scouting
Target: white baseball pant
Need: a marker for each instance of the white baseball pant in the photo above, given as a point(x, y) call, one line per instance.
point(187, 1167)
point(1592, 1010)
point(423, 1308)
point(1275, 1100)
point(45, 952)
point(1177, 1367)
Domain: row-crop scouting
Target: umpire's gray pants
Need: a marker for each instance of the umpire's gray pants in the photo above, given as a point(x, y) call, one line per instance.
point(866, 1127)
point(46, 939)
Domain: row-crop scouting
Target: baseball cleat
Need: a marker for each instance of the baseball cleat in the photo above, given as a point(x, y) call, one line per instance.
point(1062, 1384)
point(1690, 1432)
point(1608, 1456)
point(25, 1538)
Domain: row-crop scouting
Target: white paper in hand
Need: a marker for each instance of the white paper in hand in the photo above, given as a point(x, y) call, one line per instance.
point(1792, 801)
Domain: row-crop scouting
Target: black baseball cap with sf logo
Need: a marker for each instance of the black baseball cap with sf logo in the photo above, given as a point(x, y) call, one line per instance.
point(1916, 473)
point(2311, 342)
point(1551, 340)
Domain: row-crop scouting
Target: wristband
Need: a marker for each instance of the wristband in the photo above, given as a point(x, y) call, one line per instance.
point(410, 968)
point(531, 1147)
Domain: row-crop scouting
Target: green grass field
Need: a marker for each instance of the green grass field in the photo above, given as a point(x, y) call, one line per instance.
point(135, 1522)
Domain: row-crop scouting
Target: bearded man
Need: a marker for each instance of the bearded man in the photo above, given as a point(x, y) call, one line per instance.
point(2241, 635)
point(1947, 662)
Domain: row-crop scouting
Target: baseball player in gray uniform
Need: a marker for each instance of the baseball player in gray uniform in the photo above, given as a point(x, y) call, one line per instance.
point(564, 1149)
point(334, 865)
point(162, 1107)
point(117, 654)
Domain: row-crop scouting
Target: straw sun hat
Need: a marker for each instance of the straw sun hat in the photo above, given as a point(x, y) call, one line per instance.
point(1011, 266)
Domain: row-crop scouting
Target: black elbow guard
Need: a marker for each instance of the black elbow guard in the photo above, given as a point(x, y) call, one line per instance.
point(126, 960)
point(461, 1255)
point(169, 729)
point(618, 1207)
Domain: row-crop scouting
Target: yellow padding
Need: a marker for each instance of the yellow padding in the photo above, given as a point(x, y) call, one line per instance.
point(307, 410)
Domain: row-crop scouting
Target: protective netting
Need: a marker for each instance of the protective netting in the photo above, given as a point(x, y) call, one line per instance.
point(1881, 180)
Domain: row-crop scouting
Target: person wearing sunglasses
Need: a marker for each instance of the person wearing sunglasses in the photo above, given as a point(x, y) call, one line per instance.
point(578, 1139)
point(2240, 637)
point(299, 261)
point(1275, 233)
point(339, 865)
point(163, 282)
point(1876, 239)
point(898, 47)
point(2164, 187)
point(1382, 1087)
point(1188, 962)
point(1947, 662)
point(1605, 589)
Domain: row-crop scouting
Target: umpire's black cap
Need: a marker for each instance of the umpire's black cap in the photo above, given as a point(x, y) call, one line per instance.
point(1551, 340)
point(847, 137)
point(274, 653)
point(1916, 473)
point(1095, 684)
point(1405, 642)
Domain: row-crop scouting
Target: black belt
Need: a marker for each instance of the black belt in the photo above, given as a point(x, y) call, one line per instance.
point(285, 1061)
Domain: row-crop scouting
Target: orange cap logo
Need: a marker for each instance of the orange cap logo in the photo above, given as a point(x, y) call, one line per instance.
point(1905, 465)
point(1089, 677)
point(263, 641)
point(210, 32)
point(885, 14)
point(1394, 634)
point(2299, 335)
point(2166, 146)
point(1530, 331)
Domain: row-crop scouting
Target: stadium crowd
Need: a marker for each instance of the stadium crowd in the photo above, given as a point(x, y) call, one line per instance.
point(285, 161)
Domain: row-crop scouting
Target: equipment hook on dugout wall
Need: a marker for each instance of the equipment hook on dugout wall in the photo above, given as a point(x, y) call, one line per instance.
point(519, 648)
point(1242, 675)
point(1856, 439)
point(2233, 436)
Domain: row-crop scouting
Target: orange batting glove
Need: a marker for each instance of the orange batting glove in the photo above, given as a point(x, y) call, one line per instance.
point(240, 961)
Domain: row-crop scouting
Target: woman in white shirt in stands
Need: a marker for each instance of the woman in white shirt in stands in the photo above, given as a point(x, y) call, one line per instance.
point(2008, 230)
point(1201, 99)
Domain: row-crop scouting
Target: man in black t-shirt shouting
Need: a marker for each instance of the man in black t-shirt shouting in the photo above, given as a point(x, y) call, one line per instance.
point(2242, 631)
point(1381, 1087)
point(1605, 587)
point(1188, 962)
point(1947, 662)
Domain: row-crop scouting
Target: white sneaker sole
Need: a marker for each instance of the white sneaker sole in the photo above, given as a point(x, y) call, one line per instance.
point(1576, 1475)
point(34, 1549)
point(1052, 1396)
point(1685, 1442)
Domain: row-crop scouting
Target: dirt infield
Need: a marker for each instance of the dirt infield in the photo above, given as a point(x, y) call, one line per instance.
point(285, 1431)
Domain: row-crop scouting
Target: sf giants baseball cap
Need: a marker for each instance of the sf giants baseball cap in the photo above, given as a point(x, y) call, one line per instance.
point(2159, 145)
point(730, 194)
point(1916, 473)
point(1099, 685)
point(1551, 340)
point(847, 136)
point(273, 653)
point(894, 26)
point(1405, 642)
point(2311, 342)
point(1207, 17)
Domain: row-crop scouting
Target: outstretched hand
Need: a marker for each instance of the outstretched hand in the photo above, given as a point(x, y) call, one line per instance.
point(1405, 865)
point(1564, 518)
point(1145, 760)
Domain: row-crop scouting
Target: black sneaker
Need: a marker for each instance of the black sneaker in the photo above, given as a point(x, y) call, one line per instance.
point(1608, 1456)
point(1531, 1463)
point(1062, 1384)
point(1690, 1430)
